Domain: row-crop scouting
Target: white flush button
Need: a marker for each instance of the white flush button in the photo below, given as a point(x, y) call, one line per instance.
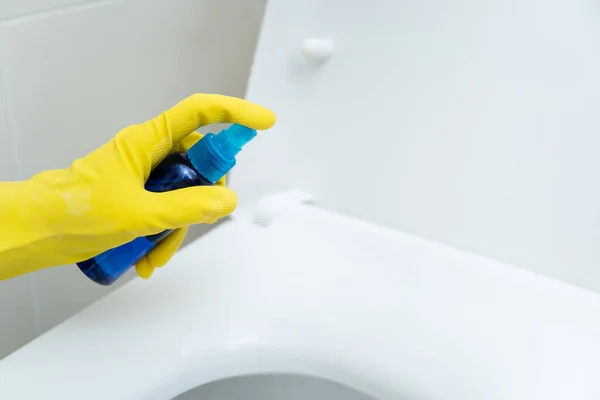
point(318, 49)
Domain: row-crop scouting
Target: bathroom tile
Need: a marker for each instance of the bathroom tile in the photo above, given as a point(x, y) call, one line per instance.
point(78, 76)
point(16, 314)
point(15, 8)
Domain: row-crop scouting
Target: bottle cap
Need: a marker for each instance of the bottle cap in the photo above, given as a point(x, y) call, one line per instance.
point(214, 155)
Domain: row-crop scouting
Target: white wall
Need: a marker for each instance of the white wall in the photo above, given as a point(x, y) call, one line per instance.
point(74, 72)
point(470, 122)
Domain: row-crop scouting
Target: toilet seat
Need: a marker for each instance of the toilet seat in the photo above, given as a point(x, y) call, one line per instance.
point(304, 294)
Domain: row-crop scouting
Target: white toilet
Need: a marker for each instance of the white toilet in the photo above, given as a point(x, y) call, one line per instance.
point(358, 310)
point(290, 300)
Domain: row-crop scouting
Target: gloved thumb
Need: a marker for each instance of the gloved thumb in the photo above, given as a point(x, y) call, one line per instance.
point(193, 205)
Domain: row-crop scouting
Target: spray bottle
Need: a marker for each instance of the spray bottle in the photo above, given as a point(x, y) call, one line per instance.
point(205, 163)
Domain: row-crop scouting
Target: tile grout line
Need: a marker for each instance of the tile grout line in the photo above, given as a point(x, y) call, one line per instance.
point(27, 16)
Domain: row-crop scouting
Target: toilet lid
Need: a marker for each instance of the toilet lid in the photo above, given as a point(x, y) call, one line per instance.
point(464, 123)
point(312, 292)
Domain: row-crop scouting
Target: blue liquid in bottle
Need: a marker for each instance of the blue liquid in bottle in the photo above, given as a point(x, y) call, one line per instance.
point(204, 164)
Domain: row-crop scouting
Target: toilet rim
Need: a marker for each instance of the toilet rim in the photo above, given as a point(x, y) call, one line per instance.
point(257, 360)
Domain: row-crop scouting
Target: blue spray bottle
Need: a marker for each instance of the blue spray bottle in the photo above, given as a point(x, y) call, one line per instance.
point(204, 164)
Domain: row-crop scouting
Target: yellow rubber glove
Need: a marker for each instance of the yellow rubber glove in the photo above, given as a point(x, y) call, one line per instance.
point(64, 216)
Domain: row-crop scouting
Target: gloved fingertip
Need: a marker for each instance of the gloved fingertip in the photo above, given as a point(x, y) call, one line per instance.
point(219, 201)
point(144, 268)
point(203, 109)
point(165, 250)
point(224, 202)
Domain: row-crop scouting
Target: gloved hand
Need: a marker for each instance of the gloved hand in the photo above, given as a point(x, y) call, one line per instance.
point(64, 216)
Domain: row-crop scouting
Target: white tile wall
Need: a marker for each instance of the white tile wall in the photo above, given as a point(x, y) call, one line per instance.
point(16, 301)
point(77, 75)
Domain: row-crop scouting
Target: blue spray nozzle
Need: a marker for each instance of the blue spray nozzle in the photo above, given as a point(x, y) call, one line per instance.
point(231, 140)
point(214, 155)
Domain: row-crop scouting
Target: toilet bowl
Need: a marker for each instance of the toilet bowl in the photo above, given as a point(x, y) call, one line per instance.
point(362, 310)
point(273, 387)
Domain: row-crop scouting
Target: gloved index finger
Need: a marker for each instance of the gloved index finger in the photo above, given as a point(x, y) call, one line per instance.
point(149, 143)
point(204, 109)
